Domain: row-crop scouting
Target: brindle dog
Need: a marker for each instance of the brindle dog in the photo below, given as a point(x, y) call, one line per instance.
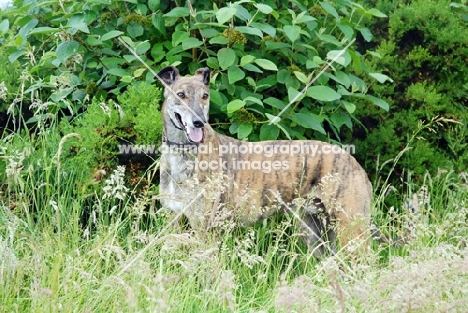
point(320, 183)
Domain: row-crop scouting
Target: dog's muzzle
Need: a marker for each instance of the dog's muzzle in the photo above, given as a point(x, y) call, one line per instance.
point(195, 133)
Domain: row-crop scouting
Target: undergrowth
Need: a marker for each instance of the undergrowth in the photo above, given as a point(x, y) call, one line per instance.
point(128, 255)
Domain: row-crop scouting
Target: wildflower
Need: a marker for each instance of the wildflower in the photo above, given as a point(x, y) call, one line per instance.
point(3, 91)
point(119, 109)
point(115, 185)
point(105, 108)
point(226, 289)
point(297, 296)
point(243, 248)
point(15, 165)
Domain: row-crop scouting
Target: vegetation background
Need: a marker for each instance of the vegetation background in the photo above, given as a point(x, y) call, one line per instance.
point(80, 224)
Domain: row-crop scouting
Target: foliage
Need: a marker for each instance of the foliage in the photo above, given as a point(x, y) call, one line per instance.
point(83, 151)
point(258, 68)
point(423, 49)
point(106, 126)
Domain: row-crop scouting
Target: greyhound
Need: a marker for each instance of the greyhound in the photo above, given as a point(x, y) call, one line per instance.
point(320, 183)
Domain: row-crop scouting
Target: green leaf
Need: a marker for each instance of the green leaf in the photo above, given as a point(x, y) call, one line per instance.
point(304, 18)
point(266, 28)
point(253, 100)
point(302, 77)
point(135, 30)
point(218, 40)
point(4, 26)
point(285, 132)
point(264, 8)
point(43, 30)
point(226, 57)
point(246, 59)
point(275, 102)
point(119, 72)
point(235, 105)
point(139, 72)
point(77, 22)
point(244, 130)
point(292, 32)
point(337, 120)
point(323, 93)
point(24, 31)
point(269, 132)
point(271, 45)
point(111, 34)
point(350, 107)
point(212, 62)
point(252, 68)
point(376, 12)
point(366, 33)
point(141, 9)
point(344, 59)
point(178, 12)
point(178, 37)
point(382, 78)
point(126, 79)
point(266, 64)
point(241, 12)
point(249, 30)
point(347, 30)
point(191, 43)
point(225, 14)
point(216, 97)
point(158, 23)
point(15, 55)
point(329, 38)
point(111, 62)
point(330, 9)
point(342, 78)
point(378, 102)
point(157, 52)
point(273, 119)
point(142, 47)
point(154, 5)
point(66, 49)
point(235, 74)
point(310, 121)
point(294, 95)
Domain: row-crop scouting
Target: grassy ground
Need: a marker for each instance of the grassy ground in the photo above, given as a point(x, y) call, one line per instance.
point(106, 247)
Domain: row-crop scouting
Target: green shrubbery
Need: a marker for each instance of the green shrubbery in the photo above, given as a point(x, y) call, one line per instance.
point(424, 48)
point(261, 55)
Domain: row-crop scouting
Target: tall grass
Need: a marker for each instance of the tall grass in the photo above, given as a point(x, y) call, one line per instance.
point(110, 248)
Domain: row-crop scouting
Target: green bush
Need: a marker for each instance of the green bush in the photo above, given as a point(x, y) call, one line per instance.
point(78, 155)
point(424, 49)
point(133, 119)
point(261, 55)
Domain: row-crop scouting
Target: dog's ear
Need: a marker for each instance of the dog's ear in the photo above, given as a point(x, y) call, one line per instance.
point(205, 73)
point(168, 75)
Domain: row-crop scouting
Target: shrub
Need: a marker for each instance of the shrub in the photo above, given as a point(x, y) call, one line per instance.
point(424, 50)
point(258, 68)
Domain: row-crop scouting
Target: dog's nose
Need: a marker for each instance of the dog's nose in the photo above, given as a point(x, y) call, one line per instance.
point(198, 124)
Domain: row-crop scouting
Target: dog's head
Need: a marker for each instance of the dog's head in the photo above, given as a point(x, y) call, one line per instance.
point(187, 101)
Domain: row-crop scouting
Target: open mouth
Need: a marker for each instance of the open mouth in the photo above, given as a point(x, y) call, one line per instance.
point(194, 134)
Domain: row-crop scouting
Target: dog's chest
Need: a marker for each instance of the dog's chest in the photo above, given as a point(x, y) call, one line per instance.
point(176, 173)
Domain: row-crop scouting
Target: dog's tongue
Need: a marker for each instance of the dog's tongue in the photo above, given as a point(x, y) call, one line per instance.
point(195, 134)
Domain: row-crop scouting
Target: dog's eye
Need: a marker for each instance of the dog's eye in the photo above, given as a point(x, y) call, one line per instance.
point(181, 95)
point(205, 96)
